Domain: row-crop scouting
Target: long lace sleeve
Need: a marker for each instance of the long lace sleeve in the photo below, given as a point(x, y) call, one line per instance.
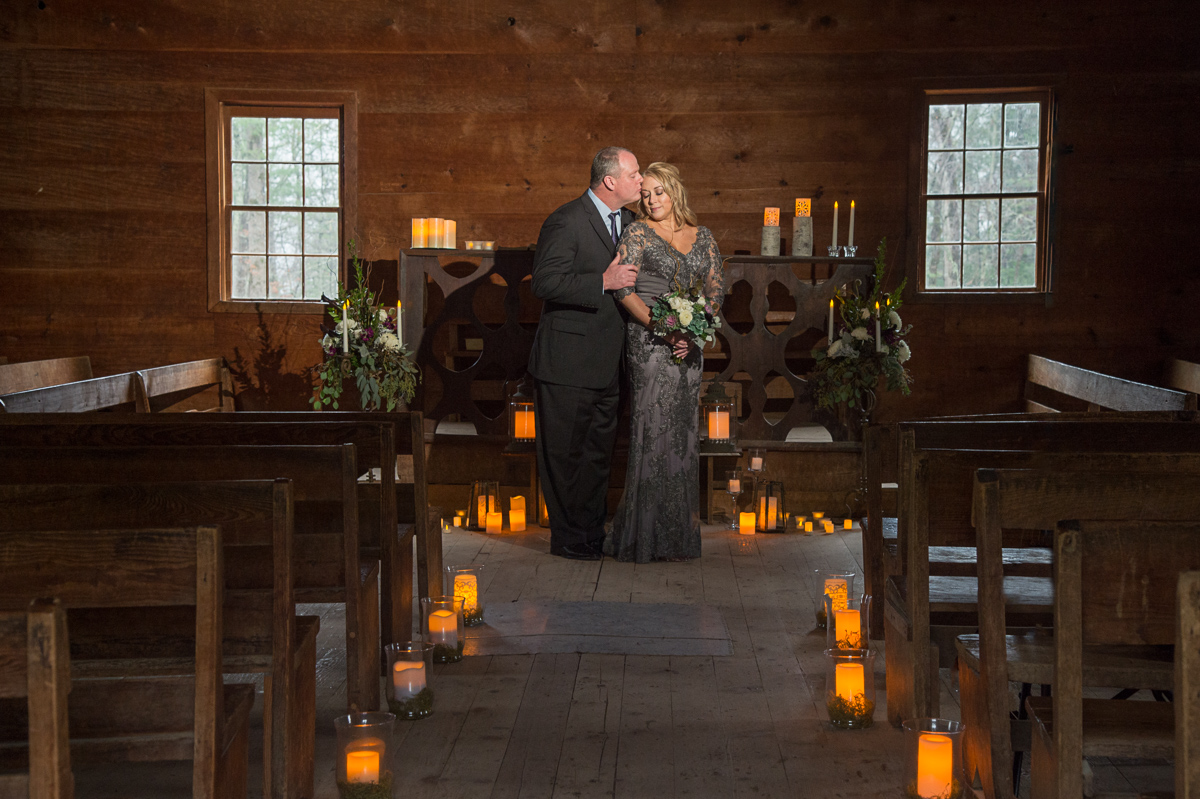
point(714, 275)
point(631, 248)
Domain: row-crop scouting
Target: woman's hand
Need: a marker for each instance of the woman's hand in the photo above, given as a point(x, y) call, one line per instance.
point(681, 344)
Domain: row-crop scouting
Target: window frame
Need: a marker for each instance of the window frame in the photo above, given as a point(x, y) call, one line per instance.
point(1001, 91)
point(218, 164)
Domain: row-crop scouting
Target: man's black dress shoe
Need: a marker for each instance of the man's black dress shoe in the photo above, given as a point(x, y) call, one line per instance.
point(578, 552)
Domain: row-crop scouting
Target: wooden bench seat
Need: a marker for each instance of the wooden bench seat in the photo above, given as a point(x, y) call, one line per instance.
point(35, 666)
point(1183, 375)
point(1046, 380)
point(28, 375)
point(1030, 659)
point(193, 386)
point(1120, 729)
point(195, 717)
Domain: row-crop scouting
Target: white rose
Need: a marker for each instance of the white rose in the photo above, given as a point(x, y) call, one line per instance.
point(903, 353)
point(685, 316)
point(389, 341)
point(859, 333)
point(835, 349)
point(894, 319)
point(326, 343)
point(383, 316)
point(864, 314)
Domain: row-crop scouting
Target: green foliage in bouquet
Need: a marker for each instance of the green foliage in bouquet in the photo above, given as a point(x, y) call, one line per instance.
point(383, 369)
point(851, 364)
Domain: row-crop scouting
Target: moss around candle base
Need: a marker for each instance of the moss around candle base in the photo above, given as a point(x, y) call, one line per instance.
point(956, 792)
point(850, 715)
point(367, 790)
point(418, 707)
point(447, 654)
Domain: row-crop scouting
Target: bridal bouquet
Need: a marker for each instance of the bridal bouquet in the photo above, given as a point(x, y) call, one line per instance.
point(364, 342)
point(686, 312)
point(867, 345)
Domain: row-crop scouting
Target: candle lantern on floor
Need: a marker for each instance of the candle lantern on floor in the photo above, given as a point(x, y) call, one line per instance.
point(409, 686)
point(442, 626)
point(364, 755)
point(718, 424)
point(464, 582)
point(850, 687)
point(521, 429)
point(846, 628)
point(485, 499)
point(933, 759)
point(768, 505)
point(836, 584)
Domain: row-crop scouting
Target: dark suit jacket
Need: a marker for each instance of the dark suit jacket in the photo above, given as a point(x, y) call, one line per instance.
point(581, 332)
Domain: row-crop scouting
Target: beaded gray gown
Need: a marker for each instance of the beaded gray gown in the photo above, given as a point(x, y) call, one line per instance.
point(659, 514)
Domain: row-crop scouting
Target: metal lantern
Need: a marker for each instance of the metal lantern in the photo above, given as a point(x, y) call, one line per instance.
point(485, 499)
point(522, 431)
point(768, 506)
point(718, 422)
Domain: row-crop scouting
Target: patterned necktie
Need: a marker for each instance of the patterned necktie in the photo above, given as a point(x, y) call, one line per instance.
point(612, 223)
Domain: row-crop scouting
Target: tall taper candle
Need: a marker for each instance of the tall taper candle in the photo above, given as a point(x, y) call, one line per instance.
point(345, 327)
point(831, 321)
point(850, 238)
point(835, 214)
point(878, 335)
point(399, 330)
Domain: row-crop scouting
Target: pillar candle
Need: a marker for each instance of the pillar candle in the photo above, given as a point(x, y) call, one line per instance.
point(458, 521)
point(831, 320)
point(770, 217)
point(495, 521)
point(772, 513)
point(443, 628)
point(808, 527)
point(362, 765)
point(849, 679)
point(451, 239)
point(878, 332)
point(481, 513)
point(935, 765)
point(467, 587)
point(735, 486)
point(835, 588)
point(523, 425)
point(346, 326)
point(847, 524)
point(408, 678)
point(718, 425)
point(437, 228)
point(827, 526)
point(756, 464)
point(850, 236)
point(746, 524)
point(420, 234)
point(835, 216)
point(516, 521)
point(847, 628)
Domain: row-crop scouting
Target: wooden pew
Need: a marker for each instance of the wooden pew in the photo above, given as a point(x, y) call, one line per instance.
point(1183, 375)
point(935, 597)
point(35, 666)
point(173, 387)
point(154, 718)
point(39, 374)
point(1044, 378)
point(1187, 689)
point(379, 438)
point(1149, 487)
point(262, 632)
point(1098, 567)
point(328, 567)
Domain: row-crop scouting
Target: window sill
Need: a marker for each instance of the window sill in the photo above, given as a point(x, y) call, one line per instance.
point(314, 307)
point(981, 297)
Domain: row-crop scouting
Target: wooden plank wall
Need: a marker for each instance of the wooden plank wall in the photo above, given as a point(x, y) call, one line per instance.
point(488, 112)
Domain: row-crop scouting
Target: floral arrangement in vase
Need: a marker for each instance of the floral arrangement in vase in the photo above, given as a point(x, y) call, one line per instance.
point(365, 342)
point(866, 345)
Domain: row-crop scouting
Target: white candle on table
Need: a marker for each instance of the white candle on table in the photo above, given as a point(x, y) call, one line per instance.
point(443, 628)
point(399, 332)
point(346, 326)
point(835, 216)
point(408, 678)
point(831, 320)
point(850, 237)
point(878, 332)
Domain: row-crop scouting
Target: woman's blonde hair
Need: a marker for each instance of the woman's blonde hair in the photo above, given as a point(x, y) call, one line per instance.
point(668, 176)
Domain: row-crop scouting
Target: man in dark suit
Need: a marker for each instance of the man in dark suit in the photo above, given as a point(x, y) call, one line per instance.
point(576, 353)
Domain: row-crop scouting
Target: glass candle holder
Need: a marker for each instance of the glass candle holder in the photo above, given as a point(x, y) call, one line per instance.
point(850, 688)
point(839, 585)
point(485, 499)
point(933, 759)
point(465, 582)
point(409, 687)
point(846, 628)
point(442, 626)
point(364, 743)
point(755, 461)
point(733, 487)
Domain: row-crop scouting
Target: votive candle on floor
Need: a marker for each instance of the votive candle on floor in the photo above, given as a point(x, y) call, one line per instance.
point(935, 765)
point(443, 628)
point(849, 681)
point(408, 678)
point(495, 521)
point(847, 524)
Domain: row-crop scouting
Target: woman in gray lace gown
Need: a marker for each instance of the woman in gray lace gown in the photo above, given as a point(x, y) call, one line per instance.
point(659, 515)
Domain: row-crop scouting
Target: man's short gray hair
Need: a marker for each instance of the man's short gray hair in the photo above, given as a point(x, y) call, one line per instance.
point(607, 162)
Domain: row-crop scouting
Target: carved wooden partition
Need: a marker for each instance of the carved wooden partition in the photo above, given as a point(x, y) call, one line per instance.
point(433, 327)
